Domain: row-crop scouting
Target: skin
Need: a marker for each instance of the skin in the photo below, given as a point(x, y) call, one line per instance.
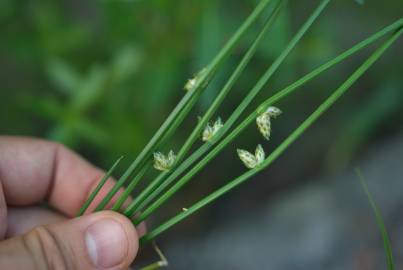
point(34, 171)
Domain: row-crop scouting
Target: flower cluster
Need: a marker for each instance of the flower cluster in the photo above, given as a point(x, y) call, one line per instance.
point(263, 121)
point(252, 161)
point(162, 162)
point(194, 83)
point(211, 130)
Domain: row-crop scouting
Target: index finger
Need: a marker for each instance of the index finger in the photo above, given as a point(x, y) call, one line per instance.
point(33, 170)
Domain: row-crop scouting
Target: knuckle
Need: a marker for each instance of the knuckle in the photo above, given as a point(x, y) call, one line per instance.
point(46, 250)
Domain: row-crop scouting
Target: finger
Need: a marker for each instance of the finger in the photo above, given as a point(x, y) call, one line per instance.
point(22, 220)
point(105, 240)
point(33, 170)
point(141, 229)
point(3, 213)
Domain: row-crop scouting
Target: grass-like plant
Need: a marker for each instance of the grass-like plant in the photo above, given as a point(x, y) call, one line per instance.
point(379, 220)
point(176, 170)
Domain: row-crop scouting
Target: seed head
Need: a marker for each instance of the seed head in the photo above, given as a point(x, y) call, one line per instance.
point(211, 130)
point(263, 121)
point(190, 84)
point(260, 155)
point(264, 125)
point(252, 161)
point(273, 111)
point(162, 162)
point(193, 83)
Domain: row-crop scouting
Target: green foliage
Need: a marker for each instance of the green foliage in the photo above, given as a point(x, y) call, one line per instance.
point(194, 88)
point(144, 50)
point(273, 156)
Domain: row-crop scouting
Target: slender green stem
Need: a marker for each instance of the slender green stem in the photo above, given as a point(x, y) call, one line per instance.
point(239, 33)
point(137, 178)
point(181, 110)
point(278, 96)
point(98, 188)
point(249, 98)
point(146, 153)
point(230, 83)
point(126, 193)
point(282, 147)
point(213, 108)
point(163, 262)
point(379, 221)
point(140, 204)
point(273, 68)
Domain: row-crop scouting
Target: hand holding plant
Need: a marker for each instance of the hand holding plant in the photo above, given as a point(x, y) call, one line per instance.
point(169, 167)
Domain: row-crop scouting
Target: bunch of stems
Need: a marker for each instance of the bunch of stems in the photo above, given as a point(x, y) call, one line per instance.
point(186, 166)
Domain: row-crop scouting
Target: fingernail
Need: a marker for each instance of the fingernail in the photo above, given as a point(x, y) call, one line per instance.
point(106, 243)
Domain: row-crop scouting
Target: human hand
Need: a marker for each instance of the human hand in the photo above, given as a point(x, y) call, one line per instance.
point(34, 238)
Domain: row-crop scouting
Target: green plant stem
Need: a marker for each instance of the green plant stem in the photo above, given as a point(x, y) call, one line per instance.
point(163, 262)
point(273, 68)
point(210, 112)
point(247, 100)
point(379, 221)
point(282, 147)
point(281, 94)
point(230, 83)
point(133, 183)
point(138, 177)
point(98, 188)
point(239, 33)
point(181, 110)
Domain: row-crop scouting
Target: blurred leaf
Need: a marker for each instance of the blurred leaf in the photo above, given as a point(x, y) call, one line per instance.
point(63, 134)
point(125, 63)
point(161, 84)
point(63, 76)
point(89, 131)
point(90, 89)
point(55, 33)
point(208, 43)
point(7, 9)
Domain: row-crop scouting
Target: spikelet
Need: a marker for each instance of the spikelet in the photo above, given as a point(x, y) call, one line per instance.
point(190, 84)
point(193, 83)
point(263, 121)
point(162, 162)
point(273, 111)
point(211, 130)
point(264, 125)
point(260, 155)
point(252, 161)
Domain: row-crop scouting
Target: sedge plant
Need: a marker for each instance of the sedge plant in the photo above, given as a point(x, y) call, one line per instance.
point(178, 168)
point(379, 220)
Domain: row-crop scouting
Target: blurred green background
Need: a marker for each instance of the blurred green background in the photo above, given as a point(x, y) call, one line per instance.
point(100, 76)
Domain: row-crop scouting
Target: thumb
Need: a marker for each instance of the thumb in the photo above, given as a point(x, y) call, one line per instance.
point(104, 240)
